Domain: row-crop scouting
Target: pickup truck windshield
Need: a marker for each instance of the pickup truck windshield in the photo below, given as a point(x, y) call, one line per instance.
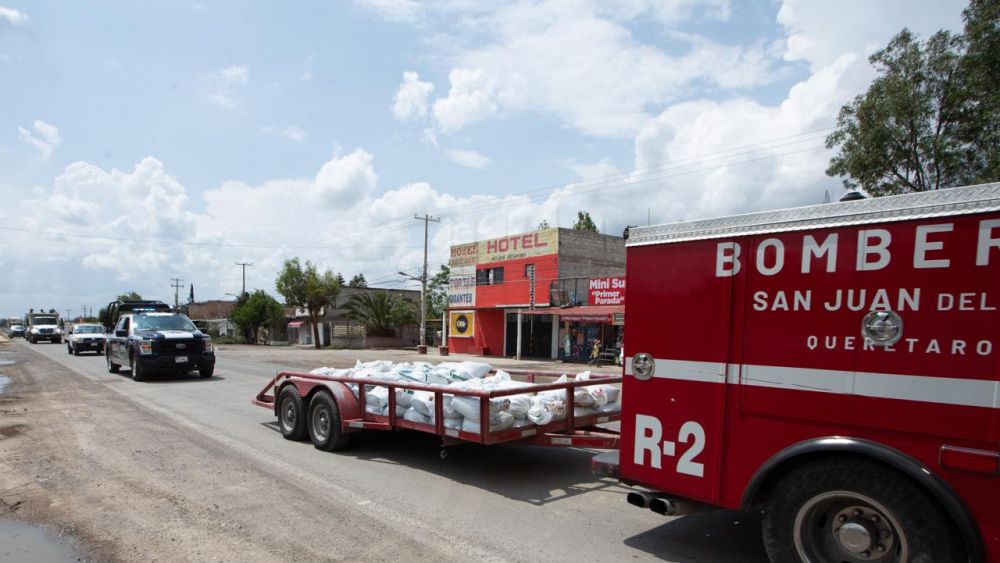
point(166, 322)
point(44, 320)
point(88, 329)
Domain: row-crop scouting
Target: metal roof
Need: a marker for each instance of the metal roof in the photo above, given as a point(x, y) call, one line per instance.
point(939, 203)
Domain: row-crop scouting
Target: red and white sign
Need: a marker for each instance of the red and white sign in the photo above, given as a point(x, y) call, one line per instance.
point(607, 291)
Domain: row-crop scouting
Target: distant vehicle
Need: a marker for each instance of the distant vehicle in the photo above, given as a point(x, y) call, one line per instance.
point(16, 330)
point(85, 338)
point(149, 338)
point(43, 326)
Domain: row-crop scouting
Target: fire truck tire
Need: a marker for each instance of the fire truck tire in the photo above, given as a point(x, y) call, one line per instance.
point(855, 510)
point(291, 414)
point(324, 423)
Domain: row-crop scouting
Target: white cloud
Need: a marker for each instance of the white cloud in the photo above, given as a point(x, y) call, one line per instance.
point(14, 17)
point(392, 10)
point(308, 74)
point(579, 63)
point(294, 133)
point(411, 97)
point(472, 97)
point(468, 158)
point(45, 137)
point(224, 82)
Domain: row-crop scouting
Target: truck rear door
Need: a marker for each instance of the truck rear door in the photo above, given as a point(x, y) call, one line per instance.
point(678, 316)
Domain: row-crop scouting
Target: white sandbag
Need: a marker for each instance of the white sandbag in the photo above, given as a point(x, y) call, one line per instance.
point(468, 407)
point(502, 421)
point(423, 402)
point(546, 409)
point(599, 395)
point(477, 370)
point(453, 423)
point(584, 411)
point(583, 398)
point(413, 416)
point(519, 405)
point(610, 408)
point(556, 394)
point(373, 409)
point(377, 396)
point(446, 407)
point(613, 393)
point(522, 423)
point(404, 397)
point(400, 411)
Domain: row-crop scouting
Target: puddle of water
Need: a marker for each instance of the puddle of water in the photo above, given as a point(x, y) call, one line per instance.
point(4, 380)
point(23, 543)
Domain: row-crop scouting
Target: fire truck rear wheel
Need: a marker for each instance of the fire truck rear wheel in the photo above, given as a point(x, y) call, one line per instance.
point(855, 511)
point(324, 423)
point(291, 414)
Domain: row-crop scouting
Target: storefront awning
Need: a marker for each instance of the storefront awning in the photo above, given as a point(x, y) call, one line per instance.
point(295, 324)
point(584, 314)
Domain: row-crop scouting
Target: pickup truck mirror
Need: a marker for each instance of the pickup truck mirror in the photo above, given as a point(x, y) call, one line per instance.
point(122, 333)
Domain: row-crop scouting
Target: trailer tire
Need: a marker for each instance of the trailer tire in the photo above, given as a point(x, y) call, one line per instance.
point(112, 367)
point(291, 414)
point(886, 511)
point(324, 423)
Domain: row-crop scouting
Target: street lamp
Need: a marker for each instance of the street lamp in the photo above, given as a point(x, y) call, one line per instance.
point(423, 308)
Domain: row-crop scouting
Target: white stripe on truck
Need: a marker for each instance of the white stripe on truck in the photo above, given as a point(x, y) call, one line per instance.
point(945, 390)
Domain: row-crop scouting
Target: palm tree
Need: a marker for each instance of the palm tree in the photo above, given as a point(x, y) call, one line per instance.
point(381, 312)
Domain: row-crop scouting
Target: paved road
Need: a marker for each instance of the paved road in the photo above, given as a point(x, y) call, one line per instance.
point(497, 503)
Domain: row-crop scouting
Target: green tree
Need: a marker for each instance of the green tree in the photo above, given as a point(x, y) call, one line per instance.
point(340, 279)
point(305, 287)
point(437, 293)
point(256, 310)
point(130, 296)
point(931, 119)
point(584, 222)
point(381, 312)
point(544, 224)
point(358, 281)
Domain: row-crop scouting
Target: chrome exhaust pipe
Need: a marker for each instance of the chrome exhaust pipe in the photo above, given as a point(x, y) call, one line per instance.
point(636, 498)
point(662, 506)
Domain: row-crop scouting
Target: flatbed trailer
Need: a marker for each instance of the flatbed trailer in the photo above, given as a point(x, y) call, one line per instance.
point(303, 399)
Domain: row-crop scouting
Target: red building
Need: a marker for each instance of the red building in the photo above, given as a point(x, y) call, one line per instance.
point(544, 278)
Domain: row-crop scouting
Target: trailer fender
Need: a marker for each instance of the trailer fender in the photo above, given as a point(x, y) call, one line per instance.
point(348, 406)
point(770, 471)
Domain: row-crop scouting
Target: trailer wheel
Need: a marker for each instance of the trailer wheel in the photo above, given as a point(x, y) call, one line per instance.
point(324, 423)
point(855, 511)
point(112, 367)
point(291, 414)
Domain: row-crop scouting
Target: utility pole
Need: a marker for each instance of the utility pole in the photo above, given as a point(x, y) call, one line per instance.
point(244, 265)
point(423, 285)
point(177, 285)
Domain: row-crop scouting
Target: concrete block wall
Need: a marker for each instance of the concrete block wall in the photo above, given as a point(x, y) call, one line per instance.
point(585, 254)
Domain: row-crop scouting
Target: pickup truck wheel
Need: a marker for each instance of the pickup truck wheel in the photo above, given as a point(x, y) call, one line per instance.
point(136, 367)
point(207, 371)
point(69, 350)
point(291, 414)
point(112, 367)
point(76, 351)
point(856, 511)
point(324, 423)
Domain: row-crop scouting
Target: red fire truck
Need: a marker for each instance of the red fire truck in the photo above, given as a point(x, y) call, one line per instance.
point(835, 367)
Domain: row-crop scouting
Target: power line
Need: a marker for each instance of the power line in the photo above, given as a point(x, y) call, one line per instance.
point(244, 265)
point(176, 284)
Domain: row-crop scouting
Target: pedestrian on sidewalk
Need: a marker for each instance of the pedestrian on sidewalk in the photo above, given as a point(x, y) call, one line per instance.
point(595, 354)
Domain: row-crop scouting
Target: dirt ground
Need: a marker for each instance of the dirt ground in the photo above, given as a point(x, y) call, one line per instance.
point(95, 466)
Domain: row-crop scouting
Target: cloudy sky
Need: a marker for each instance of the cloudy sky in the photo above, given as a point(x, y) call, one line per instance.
point(142, 141)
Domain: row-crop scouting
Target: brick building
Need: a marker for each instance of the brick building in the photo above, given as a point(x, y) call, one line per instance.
point(530, 295)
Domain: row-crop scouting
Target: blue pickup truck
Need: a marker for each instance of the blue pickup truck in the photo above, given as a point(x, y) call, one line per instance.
point(149, 338)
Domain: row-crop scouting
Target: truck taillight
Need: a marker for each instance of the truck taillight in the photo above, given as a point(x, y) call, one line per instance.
point(967, 459)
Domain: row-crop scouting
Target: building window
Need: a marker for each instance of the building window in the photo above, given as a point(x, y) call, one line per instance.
point(489, 276)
